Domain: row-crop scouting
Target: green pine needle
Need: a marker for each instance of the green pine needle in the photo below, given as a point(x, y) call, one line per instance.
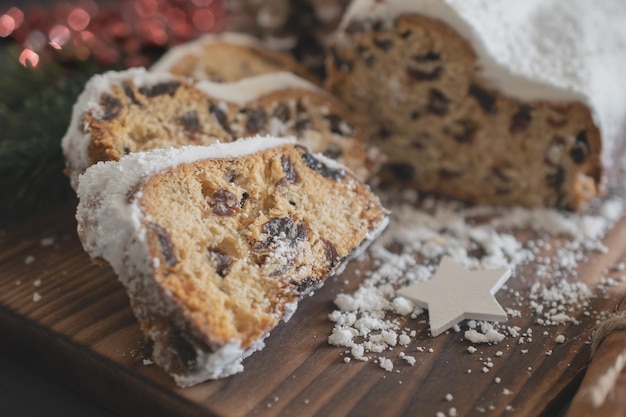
point(35, 111)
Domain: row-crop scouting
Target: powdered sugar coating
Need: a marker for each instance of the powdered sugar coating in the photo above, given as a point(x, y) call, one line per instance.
point(537, 49)
point(251, 88)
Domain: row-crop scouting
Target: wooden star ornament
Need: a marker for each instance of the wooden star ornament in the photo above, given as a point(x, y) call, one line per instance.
point(455, 294)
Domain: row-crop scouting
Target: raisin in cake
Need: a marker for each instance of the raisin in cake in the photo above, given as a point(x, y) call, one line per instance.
point(227, 57)
point(215, 245)
point(489, 102)
point(135, 110)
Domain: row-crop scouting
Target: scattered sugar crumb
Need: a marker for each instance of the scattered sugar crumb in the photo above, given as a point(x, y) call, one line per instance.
point(409, 359)
point(46, 241)
point(452, 412)
point(372, 319)
point(386, 364)
point(497, 380)
point(560, 339)
point(37, 283)
point(490, 336)
point(148, 362)
point(37, 297)
point(449, 397)
point(29, 259)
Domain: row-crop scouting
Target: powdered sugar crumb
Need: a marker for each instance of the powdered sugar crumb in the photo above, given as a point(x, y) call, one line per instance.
point(373, 320)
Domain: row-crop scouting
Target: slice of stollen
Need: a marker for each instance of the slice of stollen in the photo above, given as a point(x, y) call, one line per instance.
point(134, 110)
point(227, 57)
point(215, 245)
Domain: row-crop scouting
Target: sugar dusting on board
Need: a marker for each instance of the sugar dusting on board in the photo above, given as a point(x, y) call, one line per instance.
point(374, 324)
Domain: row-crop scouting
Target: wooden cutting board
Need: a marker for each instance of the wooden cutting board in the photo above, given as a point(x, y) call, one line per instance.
point(82, 332)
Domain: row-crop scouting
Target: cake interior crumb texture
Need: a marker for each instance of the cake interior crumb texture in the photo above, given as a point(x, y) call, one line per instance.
point(417, 86)
point(231, 244)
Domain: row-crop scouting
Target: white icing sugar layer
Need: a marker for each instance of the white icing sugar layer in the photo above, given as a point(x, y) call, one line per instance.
point(537, 49)
point(251, 88)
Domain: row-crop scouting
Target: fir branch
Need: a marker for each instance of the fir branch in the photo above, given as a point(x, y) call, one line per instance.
point(35, 111)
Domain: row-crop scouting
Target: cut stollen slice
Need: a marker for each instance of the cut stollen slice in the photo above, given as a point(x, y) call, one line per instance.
point(485, 101)
point(227, 57)
point(215, 245)
point(134, 110)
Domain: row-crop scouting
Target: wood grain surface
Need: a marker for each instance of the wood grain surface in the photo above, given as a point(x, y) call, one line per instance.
point(82, 332)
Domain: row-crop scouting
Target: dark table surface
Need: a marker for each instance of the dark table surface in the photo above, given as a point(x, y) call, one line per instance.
point(25, 393)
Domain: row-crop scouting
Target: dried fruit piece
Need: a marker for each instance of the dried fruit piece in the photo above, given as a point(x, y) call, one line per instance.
point(284, 228)
point(521, 119)
point(331, 253)
point(580, 150)
point(383, 44)
point(425, 67)
point(169, 88)
point(438, 103)
point(225, 203)
point(167, 247)
point(112, 107)
point(256, 118)
point(338, 125)
point(462, 131)
point(304, 286)
point(282, 112)
point(288, 169)
point(128, 90)
point(324, 170)
point(222, 261)
point(485, 99)
point(220, 116)
point(190, 121)
point(402, 171)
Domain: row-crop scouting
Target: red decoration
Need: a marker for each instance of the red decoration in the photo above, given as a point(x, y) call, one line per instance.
point(120, 33)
